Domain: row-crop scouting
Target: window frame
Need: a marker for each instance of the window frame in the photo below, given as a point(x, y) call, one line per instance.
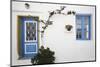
point(83, 26)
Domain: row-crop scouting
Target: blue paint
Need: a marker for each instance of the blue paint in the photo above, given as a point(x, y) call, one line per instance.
point(22, 36)
point(32, 46)
point(82, 17)
point(89, 27)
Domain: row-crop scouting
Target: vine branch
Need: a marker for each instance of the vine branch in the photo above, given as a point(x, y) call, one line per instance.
point(48, 22)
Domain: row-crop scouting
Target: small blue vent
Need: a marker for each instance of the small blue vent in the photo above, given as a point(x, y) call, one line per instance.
point(30, 48)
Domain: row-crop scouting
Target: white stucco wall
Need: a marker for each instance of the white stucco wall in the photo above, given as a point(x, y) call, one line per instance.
point(63, 43)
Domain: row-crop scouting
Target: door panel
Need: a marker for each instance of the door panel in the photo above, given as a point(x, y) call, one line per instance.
point(27, 36)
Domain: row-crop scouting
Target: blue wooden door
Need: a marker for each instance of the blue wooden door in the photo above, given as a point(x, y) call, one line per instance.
point(28, 36)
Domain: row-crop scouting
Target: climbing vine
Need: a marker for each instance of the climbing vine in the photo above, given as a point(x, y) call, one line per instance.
point(49, 22)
